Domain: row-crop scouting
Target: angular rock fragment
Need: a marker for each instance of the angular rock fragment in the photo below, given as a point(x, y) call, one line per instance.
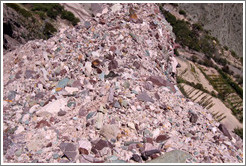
point(193, 118)
point(224, 130)
point(162, 138)
point(144, 97)
point(109, 131)
point(69, 150)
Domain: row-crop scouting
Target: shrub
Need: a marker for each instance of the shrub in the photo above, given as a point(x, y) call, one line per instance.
point(239, 132)
point(49, 29)
point(197, 27)
point(194, 58)
point(182, 12)
point(52, 13)
point(69, 16)
point(176, 52)
point(41, 14)
point(233, 53)
point(226, 48)
point(174, 4)
point(20, 10)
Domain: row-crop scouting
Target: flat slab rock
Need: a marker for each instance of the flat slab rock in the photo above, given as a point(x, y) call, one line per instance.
point(175, 156)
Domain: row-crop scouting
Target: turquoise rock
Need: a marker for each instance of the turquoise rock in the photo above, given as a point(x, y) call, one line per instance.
point(147, 133)
point(69, 104)
point(55, 156)
point(39, 152)
point(113, 158)
point(102, 76)
point(26, 122)
point(175, 156)
point(147, 53)
point(41, 103)
point(90, 115)
point(118, 161)
point(135, 92)
point(75, 118)
point(62, 83)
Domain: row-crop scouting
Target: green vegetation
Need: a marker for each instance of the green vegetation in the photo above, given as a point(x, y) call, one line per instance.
point(182, 12)
point(49, 29)
point(239, 132)
point(188, 35)
point(174, 4)
point(176, 52)
point(19, 9)
point(234, 85)
point(226, 48)
point(70, 17)
point(181, 88)
point(226, 86)
point(52, 10)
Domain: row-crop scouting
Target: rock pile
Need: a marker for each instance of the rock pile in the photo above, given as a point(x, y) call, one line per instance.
point(97, 93)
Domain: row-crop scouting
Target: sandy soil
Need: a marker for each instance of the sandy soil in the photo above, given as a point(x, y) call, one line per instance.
point(190, 76)
point(230, 121)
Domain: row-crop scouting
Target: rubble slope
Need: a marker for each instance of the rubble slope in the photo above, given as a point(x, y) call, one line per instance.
point(101, 92)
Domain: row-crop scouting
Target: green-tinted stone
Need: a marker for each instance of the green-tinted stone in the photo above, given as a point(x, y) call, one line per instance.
point(113, 157)
point(124, 103)
point(147, 53)
point(62, 83)
point(18, 152)
point(69, 104)
point(55, 156)
point(90, 115)
point(175, 156)
point(126, 84)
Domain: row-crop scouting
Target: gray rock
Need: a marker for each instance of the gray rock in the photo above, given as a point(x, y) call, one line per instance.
point(144, 97)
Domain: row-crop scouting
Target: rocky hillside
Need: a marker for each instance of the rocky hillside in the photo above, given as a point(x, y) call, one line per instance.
point(101, 92)
point(24, 22)
point(224, 20)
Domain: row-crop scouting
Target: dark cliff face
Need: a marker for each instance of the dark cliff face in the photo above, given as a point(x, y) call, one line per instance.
point(225, 21)
point(17, 29)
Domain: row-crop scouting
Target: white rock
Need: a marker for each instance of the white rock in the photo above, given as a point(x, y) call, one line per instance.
point(54, 107)
point(190, 103)
point(227, 143)
point(34, 109)
point(99, 122)
point(70, 90)
point(156, 132)
point(116, 7)
point(25, 117)
point(85, 144)
point(105, 10)
point(18, 116)
point(131, 125)
point(214, 130)
point(88, 68)
point(165, 89)
point(19, 130)
point(95, 54)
